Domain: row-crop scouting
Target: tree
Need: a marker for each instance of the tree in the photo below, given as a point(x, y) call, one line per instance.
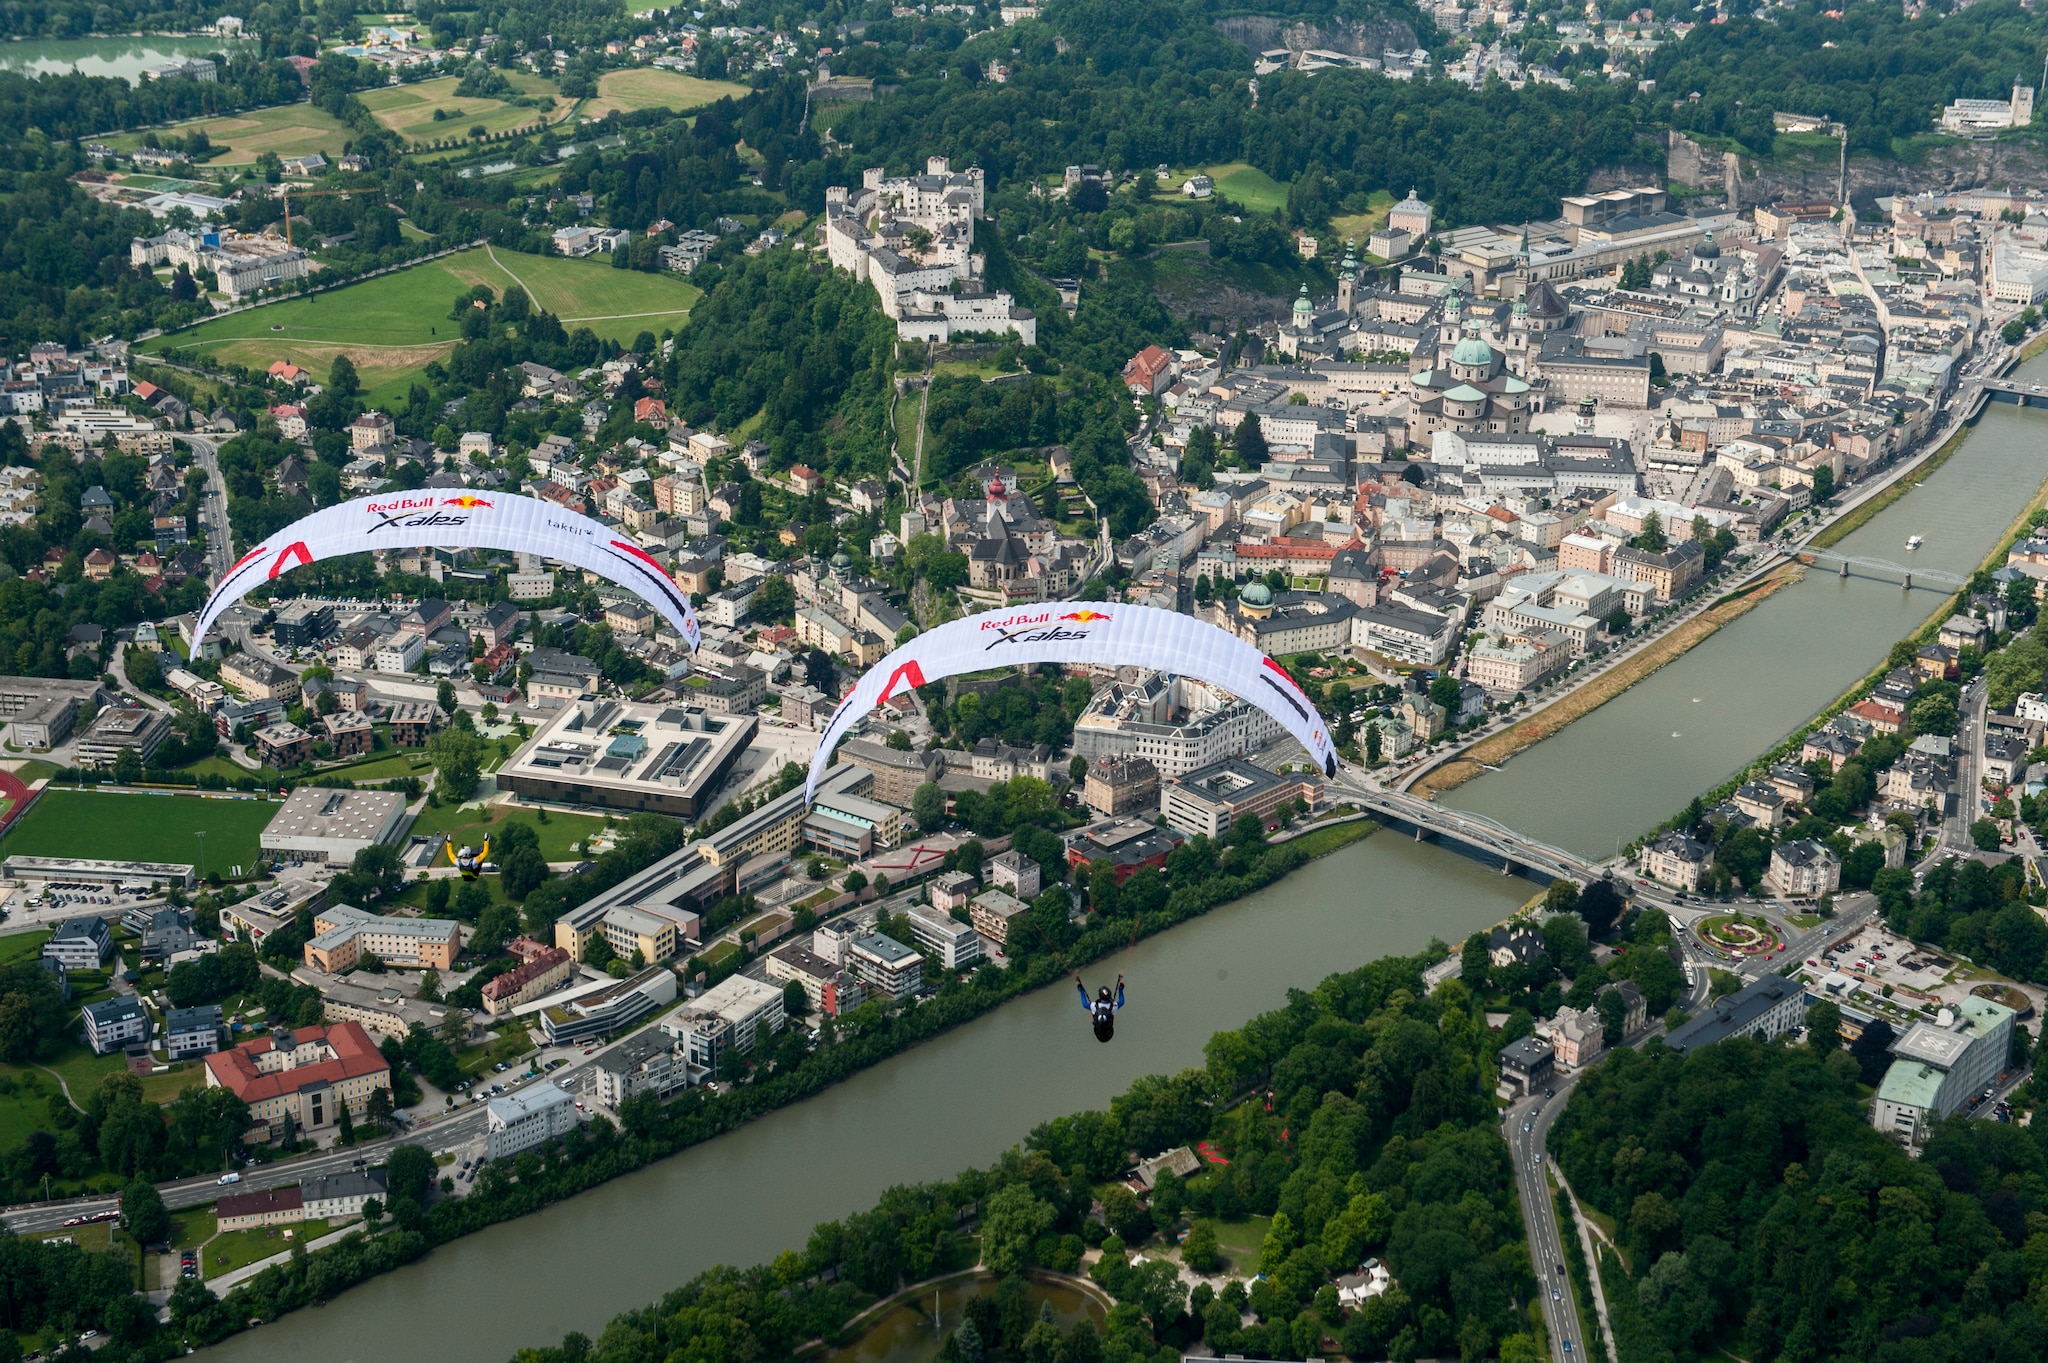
point(1652, 539)
point(1372, 745)
point(1984, 833)
point(1613, 1016)
point(1249, 442)
point(143, 1213)
point(1474, 962)
point(1122, 1214)
point(430, 985)
point(1824, 1026)
point(1077, 769)
point(1444, 691)
point(795, 1002)
point(408, 1175)
point(458, 757)
point(1599, 906)
point(1011, 1224)
point(1200, 1250)
point(522, 871)
point(1823, 482)
point(444, 696)
point(928, 806)
point(774, 599)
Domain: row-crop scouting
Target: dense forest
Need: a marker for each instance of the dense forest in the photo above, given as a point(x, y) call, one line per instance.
point(1760, 1214)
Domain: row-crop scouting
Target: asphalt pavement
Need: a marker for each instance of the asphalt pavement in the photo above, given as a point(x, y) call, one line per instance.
point(1539, 1216)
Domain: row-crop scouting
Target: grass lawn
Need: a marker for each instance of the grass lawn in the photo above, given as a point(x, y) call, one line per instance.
point(1358, 226)
point(1247, 186)
point(715, 955)
point(472, 826)
point(221, 766)
point(391, 326)
point(409, 110)
point(33, 768)
point(650, 88)
point(71, 823)
point(240, 1248)
point(287, 130)
point(391, 766)
point(479, 1059)
point(1241, 1241)
point(23, 944)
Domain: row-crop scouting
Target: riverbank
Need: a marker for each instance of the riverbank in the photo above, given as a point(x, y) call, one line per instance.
point(1848, 525)
point(1491, 752)
point(1924, 633)
point(866, 1038)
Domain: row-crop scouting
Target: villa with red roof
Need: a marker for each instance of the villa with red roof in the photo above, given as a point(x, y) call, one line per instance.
point(301, 1077)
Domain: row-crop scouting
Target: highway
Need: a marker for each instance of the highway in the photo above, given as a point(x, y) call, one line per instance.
point(1539, 1216)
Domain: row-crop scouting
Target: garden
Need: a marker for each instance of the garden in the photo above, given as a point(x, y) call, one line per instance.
point(1739, 935)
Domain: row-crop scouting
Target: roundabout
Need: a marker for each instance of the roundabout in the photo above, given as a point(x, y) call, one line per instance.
point(1740, 936)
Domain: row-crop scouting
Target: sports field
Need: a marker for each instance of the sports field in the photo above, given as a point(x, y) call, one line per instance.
point(71, 823)
point(409, 110)
point(393, 325)
point(647, 87)
point(287, 130)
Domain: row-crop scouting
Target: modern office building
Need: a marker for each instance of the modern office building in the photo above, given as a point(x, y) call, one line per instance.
point(1212, 798)
point(885, 966)
point(618, 754)
point(956, 944)
point(645, 1062)
point(680, 888)
point(527, 1117)
point(1941, 1065)
point(732, 1015)
point(609, 1009)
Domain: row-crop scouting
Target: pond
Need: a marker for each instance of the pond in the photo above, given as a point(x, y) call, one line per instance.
point(914, 1331)
point(127, 58)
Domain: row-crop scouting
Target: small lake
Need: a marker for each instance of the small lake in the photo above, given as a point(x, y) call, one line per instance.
point(915, 1331)
point(127, 58)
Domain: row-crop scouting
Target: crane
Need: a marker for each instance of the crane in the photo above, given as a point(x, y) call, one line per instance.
point(285, 193)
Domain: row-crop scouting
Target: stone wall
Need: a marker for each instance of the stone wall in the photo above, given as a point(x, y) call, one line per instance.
point(1816, 178)
point(1369, 38)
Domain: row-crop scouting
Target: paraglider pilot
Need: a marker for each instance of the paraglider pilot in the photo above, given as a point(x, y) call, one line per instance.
point(1103, 1009)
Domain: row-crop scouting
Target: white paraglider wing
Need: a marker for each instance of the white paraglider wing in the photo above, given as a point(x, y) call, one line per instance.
point(1084, 632)
point(454, 518)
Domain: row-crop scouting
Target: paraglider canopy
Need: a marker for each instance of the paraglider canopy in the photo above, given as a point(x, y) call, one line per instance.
point(1099, 632)
point(455, 518)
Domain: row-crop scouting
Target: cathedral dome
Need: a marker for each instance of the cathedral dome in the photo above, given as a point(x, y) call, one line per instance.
point(1256, 595)
point(1472, 351)
point(1706, 250)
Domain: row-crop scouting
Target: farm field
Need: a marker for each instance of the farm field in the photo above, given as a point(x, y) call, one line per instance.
point(409, 110)
point(70, 823)
point(286, 130)
point(391, 326)
point(650, 88)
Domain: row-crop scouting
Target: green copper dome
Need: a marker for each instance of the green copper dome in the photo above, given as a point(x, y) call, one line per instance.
point(1256, 594)
point(1472, 351)
point(1302, 307)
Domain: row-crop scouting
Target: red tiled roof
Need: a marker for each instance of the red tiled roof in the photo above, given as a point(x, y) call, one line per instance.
point(512, 981)
point(355, 1055)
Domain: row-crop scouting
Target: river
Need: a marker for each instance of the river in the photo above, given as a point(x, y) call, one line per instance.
point(1641, 757)
point(954, 1102)
point(123, 57)
point(963, 1098)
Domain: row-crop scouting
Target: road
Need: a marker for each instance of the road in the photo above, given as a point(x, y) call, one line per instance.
point(213, 507)
point(451, 1132)
point(1539, 1216)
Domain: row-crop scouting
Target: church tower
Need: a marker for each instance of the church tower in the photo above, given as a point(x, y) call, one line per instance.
point(1452, 329)
point(1347, 281)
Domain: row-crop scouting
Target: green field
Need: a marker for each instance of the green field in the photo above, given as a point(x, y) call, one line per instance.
point(471, 826)
point(70, 823)
point(240, 1248)
point(1356, 227)
point(649, 88)
point(1246, 186)
point(393, 325)
point(409, 110)
point(286, 130)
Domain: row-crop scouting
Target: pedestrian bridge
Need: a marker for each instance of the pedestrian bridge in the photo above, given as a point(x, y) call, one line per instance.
point(1487, 838)
point(1882, 568)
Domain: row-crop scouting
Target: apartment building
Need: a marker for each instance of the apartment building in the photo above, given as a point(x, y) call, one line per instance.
point(344, 934)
